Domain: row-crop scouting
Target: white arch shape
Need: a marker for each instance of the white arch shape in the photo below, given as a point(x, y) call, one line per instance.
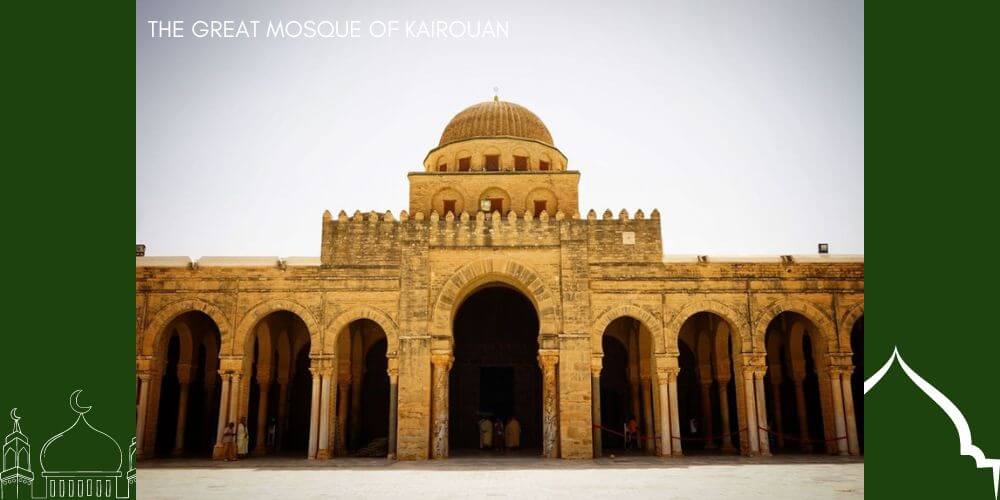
point(966, 447)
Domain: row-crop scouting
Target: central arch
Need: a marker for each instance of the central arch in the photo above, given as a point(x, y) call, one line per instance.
point(472, 276)
point(496, 379)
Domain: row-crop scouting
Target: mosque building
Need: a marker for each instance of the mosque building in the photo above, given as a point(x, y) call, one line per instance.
point(495, 294)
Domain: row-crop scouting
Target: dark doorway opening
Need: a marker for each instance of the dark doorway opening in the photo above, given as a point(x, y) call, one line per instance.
point(375, 395)
point(496, 373)
point(615, 401)
point(496, 390)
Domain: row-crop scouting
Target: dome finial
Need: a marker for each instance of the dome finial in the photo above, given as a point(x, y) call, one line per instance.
point(74, 403)
point(496, 95)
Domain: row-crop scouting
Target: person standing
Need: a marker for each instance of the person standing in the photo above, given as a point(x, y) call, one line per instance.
point(272, 433)
point(513, 433)
point(632, 432)
point(229, 441)
point(485, 433)
point(242, 438)
point(498, 441)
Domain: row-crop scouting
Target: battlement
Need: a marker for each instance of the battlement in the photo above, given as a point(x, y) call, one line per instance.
point(378, 238)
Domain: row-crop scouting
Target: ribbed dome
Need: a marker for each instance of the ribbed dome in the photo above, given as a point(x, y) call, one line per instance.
point(81, 448)
point(496, 119)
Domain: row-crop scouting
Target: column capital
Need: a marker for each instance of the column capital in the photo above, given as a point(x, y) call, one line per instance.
point(838, 370)
point(144, 376)
point(548, 358)
point(667, 374)
point(344, 381)
point(316, 372)
point(442, 360)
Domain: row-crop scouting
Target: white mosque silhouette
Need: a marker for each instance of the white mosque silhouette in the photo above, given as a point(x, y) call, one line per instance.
point(81, 461)
point(16, 477)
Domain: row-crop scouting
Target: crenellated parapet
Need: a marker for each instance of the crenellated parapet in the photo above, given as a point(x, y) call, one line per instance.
point(377, 238)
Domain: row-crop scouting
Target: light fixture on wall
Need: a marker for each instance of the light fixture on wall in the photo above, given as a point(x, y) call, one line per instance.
point(485, 205)
point(140, 250)
point(824, 248)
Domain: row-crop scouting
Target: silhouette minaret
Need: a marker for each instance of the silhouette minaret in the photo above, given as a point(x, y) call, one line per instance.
point(16, 476)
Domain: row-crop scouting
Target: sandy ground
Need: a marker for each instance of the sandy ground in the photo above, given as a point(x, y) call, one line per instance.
point(792, 477)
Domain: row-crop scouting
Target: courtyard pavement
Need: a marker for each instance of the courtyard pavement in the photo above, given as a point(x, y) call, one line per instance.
point(691, 477)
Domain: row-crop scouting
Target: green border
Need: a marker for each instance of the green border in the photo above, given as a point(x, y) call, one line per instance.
point(68, 198)
point(933, 148)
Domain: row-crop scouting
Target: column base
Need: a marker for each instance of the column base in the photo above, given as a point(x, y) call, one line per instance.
point(219, 452)
point(176, 452)
point(323, 455)
point(259, 452)
point(728, 448)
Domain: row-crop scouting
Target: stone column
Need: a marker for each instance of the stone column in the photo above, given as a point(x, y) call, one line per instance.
point(800, 405)
point(779, 428)
point(706, 413)
point(852, 423)
point(550, 412)
point(282, 413)
point(765, 443)
point(314, 414)
point(647, 408)
point(727, 438)
point(393, 406)
point(595, 390)
point(324, 415)
point(357, 373)
point(675, 419)
point(234, 398)
point(219, 451)
point(184, 377)
point(663, 389)
point(340, 430)
point(260, 448)
point(838, 410)
point(140, 420)
point(441, 364)
point(753, 432)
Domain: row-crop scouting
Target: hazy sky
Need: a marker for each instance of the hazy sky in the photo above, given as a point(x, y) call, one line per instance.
point(741, 121)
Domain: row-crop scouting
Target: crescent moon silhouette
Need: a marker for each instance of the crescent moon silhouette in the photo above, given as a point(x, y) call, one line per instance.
point(13, 415)
point(74, 403)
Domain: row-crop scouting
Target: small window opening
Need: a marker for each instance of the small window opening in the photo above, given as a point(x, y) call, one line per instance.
point(521, 163)
point(540, 206)
point(492, 163)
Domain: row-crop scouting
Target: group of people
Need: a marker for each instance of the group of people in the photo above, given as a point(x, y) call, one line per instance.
point(236, 438)
point(499, 435)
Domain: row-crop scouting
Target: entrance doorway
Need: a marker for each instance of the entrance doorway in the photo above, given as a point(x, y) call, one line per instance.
point(495, 373)
point(496, 390)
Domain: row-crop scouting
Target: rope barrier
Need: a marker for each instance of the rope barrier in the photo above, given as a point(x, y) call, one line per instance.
point(676, 438)
point(799, 439)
